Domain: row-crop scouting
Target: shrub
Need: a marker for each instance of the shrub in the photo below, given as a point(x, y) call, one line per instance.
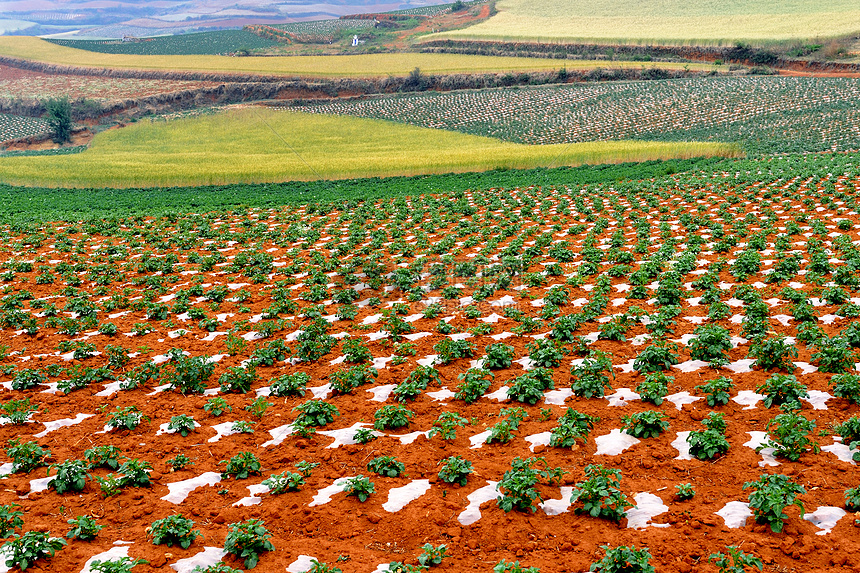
point(717, 391)
point(771, 494)
point(648, 424)
point(173, 530)
point(84, 528)
point(241, 466)
point(392, 417)
point(624, 559)
point(71, 476)
point(600, 494)
point(247, 540)
point(359, 486)
point(455, 470)
point(573, 426)
point(782, 390)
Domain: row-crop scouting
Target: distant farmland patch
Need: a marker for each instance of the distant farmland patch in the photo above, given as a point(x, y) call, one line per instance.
point(16, 127)
point(670, 22)
point(203, 43)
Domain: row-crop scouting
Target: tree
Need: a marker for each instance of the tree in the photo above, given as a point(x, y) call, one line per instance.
point(60, 119)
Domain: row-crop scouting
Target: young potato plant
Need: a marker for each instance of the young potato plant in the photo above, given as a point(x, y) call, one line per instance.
point(475, 382)
point(455, 470)
point(498, 356)
point(773, 353)
point(784, 391)
point(84, 527)
point(846, 386)
point(392, 417)
point(241, 466)
point(789, 436)
point(71, 475)
point(648, 424)
point(315, 413)
point(173, 530)
point(386, 466)
point(600, 494)
point(26, 456)
point(771, 494)
point(710, 442)
point(654, 388)
point(23, 551)
point(711, 344)
point(717, 391)
point(247, 540)
point(572, 427)
point(517, 485)
point(289, 385)
point(446, 425)
point(529, 387)
point(684, 491)
point(127, 418)
point(503, 431)
point(656, 357)
point(736, 561)
point(359, 486)
point(10, 519)
point(623, 559)
point(592, 376)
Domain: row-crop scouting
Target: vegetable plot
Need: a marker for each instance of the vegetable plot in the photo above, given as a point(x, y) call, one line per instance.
point(659, 373)
point(767, 114)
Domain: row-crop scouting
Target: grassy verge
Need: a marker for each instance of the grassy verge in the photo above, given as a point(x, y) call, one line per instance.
point(365, 65)
point(258, 145)
point(666, 22)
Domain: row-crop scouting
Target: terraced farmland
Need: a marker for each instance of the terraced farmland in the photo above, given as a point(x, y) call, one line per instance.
point(765, 114)
point(361, 383)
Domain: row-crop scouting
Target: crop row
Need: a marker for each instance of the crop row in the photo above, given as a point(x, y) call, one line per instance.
point(15, 127)
point(721, 305)
point(323, 30)
point(766, 113)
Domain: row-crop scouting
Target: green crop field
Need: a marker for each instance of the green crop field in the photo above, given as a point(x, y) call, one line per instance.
point(666, 21)
point(365, 65)
point(766, 114)
point(267, 145)
point(217, 42)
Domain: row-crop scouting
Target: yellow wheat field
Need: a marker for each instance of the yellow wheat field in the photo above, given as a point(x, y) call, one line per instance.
point(703, 22)
point(260, 145)
point(364, 65)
